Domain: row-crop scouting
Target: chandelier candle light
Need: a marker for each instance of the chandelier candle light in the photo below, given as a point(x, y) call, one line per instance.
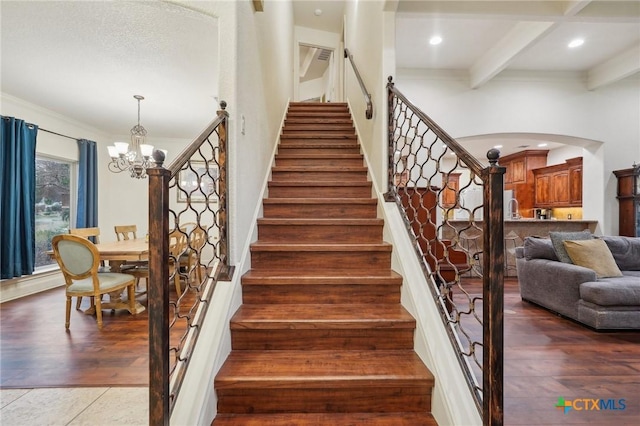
point(135, 159)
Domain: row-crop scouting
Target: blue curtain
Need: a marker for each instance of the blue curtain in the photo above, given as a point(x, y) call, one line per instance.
point(17, 197)
point(87, 212)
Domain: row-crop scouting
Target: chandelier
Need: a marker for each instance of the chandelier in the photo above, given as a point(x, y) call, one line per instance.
point(135, 157)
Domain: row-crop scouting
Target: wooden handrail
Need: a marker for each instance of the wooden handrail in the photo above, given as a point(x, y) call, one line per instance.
point(367, 95)
point(165, 378)
point(489, 397)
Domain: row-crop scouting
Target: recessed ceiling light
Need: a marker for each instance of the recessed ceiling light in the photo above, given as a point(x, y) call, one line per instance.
point(542, 144)
point(435, 40)
point(317, 12)
point(497, 146)
point(576, 42)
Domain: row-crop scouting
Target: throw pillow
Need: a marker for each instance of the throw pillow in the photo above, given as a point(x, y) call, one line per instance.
point(625, 251)
point(538, 248)
point(558, 237)
point(593, 254)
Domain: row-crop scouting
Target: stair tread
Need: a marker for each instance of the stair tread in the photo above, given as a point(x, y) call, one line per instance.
point(319, 247)
point(322, 316)
point(320, 221)
point(325, 276)
point(314, 419)
point(321, 201)
point(315, 183)
point(331, 169)
point(323, 368)
point(318, 135)
point(319, 156)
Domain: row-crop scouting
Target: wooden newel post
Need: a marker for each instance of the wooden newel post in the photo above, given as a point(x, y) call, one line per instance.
point(493, 292)
point(158, 292)
point(225, 270)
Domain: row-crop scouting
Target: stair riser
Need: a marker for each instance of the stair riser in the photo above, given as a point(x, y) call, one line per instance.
point(324, 130)
point(357, 339)
point(319, 137)
point(303, 261)
point(320, 192)
point(414, 397)
point(319, 127)
point(297, 121)
point(320, 115)
point(321, 293)
point(317, 162)
point(310, 150)
point(315, 176)
point(326, 211)
point(322, 234)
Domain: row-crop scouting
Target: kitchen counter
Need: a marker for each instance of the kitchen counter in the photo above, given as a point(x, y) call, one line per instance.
point(516, 230)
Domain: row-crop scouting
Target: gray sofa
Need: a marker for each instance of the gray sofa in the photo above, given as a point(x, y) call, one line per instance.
point(575, 291)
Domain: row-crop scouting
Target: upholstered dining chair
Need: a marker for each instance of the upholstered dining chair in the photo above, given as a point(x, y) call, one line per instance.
point(139, 269)
point(79, 261)
point(93, 234)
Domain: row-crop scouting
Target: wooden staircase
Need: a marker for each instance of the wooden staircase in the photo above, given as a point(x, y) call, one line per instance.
point(321, 337)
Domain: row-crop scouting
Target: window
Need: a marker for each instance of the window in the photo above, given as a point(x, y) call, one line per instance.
point(53, 204)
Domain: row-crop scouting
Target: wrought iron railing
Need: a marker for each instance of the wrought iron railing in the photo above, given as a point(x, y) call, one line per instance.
point(367, 96)
point(188, 223)
point(453, 209)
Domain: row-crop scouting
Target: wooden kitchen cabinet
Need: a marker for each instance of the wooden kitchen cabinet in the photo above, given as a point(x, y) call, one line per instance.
point(519, 177)
point(559, 185)
point(628, 201)
point(451, 184)
point(575, 181)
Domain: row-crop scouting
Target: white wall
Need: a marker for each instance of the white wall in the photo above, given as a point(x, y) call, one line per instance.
point(556, 104)
point(312, 37)
point(256, 80)
point(369, 36)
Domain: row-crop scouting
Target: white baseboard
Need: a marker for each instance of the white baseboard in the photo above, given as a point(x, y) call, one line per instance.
point(24, 286)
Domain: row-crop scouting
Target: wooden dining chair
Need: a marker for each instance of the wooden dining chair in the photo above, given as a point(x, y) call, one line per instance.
point(139, 269)
point(93, 234)
point(191, 259)
point(177, 248)
point(79, 261)
point(126, 232)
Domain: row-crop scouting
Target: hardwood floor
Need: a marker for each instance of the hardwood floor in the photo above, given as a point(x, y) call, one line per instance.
point(546, 357)
point(36, 350)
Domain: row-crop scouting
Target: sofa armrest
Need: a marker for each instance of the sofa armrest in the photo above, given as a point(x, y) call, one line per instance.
point(552, 284)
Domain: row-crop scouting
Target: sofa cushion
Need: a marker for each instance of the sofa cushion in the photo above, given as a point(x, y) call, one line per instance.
point(593, 254)
point(538, 248)
point(558, 237)
point(621, 291)
point(625, 250)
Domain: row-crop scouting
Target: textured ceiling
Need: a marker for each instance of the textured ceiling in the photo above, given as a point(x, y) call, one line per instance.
point(86, 60)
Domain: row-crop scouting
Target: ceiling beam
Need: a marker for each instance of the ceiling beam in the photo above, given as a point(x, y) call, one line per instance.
point(519, 38)
point(615, 69)
point(306, 62)
point(573, 7)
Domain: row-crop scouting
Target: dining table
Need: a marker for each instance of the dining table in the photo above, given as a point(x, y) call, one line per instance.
point(117, 253)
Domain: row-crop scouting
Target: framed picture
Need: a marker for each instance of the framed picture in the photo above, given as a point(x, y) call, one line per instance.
point(196, 185)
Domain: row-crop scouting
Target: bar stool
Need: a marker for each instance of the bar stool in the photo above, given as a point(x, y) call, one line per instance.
point(510, 244)
point(472, 245)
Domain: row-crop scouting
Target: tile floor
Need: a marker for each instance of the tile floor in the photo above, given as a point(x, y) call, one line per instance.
point(74, 406)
